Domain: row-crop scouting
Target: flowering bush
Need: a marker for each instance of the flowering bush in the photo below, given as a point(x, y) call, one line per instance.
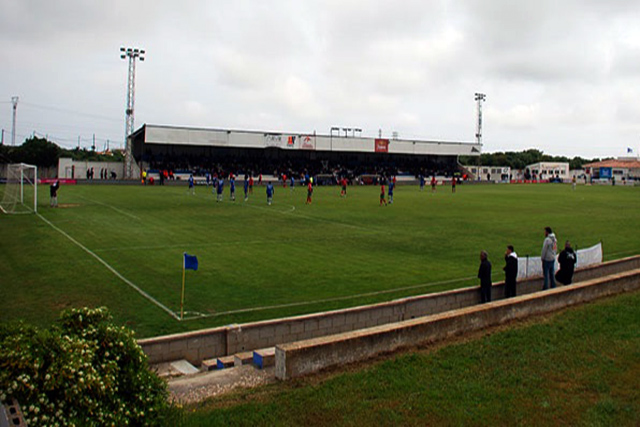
point(83, 371)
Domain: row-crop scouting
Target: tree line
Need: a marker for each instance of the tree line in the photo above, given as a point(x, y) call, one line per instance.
point(44, 153)
point(519, 160)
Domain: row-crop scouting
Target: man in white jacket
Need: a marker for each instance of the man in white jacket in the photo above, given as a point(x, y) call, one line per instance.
point(549, 251)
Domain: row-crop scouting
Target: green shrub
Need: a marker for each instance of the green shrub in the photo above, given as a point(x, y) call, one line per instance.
point(83, 371)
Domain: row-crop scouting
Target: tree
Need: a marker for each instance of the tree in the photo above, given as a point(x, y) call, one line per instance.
point(37, 151)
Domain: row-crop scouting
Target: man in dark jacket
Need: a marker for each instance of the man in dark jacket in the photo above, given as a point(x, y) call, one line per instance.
point(484, 274)
point(510, 272)
point(567, 260)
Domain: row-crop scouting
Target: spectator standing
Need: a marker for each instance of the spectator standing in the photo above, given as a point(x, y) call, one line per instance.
point(484, 274)
point(510, 272)
point(567, 260)
point(548, 256)
point(573, 183)
point(53, 192)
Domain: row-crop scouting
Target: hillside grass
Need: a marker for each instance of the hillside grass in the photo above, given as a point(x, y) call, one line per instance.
point(579, 367)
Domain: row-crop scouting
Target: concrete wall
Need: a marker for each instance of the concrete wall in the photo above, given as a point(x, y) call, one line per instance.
point(308, 356)
point(233, 339)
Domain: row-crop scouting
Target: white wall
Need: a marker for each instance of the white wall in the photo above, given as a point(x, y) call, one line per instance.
point(66, 165)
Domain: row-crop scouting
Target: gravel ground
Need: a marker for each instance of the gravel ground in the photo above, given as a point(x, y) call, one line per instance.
point(195, 388)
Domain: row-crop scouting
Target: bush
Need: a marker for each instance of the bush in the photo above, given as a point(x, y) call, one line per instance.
point(84, 371)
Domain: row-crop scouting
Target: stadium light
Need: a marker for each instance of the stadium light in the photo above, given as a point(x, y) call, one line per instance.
point(132, 54)
point(479, 98)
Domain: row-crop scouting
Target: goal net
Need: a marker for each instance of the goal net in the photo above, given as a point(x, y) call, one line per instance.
point(20, 191)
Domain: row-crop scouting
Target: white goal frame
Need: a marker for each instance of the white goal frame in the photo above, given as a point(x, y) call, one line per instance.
point(11, 198)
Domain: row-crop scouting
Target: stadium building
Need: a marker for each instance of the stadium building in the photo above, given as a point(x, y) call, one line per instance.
point(623, 168)
point(199, 150)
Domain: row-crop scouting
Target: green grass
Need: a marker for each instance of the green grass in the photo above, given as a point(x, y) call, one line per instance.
point(580, 367)
point(253, 255)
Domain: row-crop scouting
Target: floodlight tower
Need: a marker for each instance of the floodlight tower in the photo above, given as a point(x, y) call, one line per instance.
point(132, 54)
point(480, 98)
point(14, 101)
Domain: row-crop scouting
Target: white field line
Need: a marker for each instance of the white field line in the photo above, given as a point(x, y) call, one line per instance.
point(111, 207)
point(111, 269)
point(322, 301)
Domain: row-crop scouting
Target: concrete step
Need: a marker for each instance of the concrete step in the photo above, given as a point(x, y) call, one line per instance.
point(225, 362)
point(209, 365)
point(264, 357)
point(244, 358)
point(184, 367)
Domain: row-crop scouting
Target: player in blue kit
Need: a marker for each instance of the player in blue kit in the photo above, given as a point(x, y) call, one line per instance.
point(192, 188)
point(232, 188)
point(422, 182)
point(392, 186)
point(220, 188)
point(293, 182)
point(246, 188)
point(270, 191)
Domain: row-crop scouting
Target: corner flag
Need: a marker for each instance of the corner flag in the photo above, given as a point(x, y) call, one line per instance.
point(189, 262)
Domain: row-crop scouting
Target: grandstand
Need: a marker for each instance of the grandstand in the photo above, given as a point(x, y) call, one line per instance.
point(224, 151)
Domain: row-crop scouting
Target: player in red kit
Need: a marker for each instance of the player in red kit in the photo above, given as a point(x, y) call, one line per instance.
point(382, 195)
point(309, 193)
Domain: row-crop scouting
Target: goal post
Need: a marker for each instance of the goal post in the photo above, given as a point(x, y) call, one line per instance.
point(20, 190)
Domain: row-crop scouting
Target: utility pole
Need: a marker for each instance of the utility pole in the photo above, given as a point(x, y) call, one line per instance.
point(2, 140)
point(14, 101)
point(132, 54)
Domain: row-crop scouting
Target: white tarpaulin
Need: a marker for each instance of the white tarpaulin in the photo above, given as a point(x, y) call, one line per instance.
point(532, 266)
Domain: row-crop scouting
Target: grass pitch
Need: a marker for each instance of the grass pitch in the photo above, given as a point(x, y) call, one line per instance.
point(259, 262)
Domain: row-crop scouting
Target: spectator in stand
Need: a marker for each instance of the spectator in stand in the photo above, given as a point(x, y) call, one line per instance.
point(484, 274)
point(567, 260)
point(510, 272)
point(53, 193)
point(548, 256)
point(270, 192)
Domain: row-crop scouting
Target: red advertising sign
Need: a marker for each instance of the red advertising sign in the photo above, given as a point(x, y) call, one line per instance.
point(382, 145)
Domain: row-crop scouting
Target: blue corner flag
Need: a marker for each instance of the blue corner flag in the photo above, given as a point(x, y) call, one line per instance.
point(190, 262)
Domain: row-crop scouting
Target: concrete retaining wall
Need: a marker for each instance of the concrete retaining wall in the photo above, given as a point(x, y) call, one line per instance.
point(209, 343)
point(308, 356)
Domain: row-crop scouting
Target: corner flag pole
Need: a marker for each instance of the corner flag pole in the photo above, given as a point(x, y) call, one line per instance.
point(182, 298)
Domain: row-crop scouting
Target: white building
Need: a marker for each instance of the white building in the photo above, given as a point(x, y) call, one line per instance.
point(547, 170)
point(490, 173)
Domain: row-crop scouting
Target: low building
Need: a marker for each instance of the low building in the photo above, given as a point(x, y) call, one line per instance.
point(490, 173)
point(547, 170)
point(623, 168)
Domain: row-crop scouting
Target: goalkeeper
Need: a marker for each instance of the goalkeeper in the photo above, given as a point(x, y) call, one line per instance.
point(53, 192)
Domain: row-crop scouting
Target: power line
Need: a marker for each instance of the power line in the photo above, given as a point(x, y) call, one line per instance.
point(67, 111)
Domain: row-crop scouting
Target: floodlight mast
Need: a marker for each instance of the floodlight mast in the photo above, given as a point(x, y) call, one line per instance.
point(14, 101)
point(480, 98)
point(132, 54)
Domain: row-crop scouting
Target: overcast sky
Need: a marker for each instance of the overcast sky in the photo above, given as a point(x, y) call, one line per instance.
point(560, 76)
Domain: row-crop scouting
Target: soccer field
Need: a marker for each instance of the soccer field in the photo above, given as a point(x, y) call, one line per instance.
point(110, 244)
